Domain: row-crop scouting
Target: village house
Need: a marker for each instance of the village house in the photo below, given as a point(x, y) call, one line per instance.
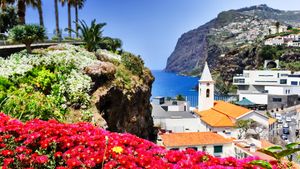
point(210, 142)
point(220, 116)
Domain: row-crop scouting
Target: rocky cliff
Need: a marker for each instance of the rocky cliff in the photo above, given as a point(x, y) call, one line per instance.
point(122, 97)
point(225, 36)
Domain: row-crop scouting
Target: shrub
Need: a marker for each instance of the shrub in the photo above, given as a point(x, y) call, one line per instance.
point(133, 63)
point(26, 34)
point(49, 144)
point(25, 103)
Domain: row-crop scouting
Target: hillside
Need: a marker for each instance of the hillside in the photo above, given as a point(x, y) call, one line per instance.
point(236, 34)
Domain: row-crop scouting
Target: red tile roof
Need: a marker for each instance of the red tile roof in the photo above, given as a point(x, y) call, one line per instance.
point(193, 139)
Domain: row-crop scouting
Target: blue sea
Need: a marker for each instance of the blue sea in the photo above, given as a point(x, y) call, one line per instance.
point(171, 84)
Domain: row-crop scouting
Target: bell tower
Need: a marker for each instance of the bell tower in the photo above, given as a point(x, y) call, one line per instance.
point(206, 90)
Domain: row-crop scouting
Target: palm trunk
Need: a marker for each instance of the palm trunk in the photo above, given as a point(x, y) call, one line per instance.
point(57, 19)
point(76, 15)
point(21, 11)
point(69, 19)
point(3, 5)
point(40, 9)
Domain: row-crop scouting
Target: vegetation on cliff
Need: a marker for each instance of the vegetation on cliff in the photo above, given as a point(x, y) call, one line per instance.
point(62, 82)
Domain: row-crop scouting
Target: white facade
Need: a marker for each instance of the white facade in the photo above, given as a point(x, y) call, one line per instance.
point(206, 90)
point(275, 41)
point(181, 125)
point(227, 149)
point(281, 28)
point(261, 77)
point(258, 98)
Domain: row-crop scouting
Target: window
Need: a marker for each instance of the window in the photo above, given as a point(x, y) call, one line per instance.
point(174, 149)
point(207, 93)
point(239, 80)
point(277, 99)
point(204, 148)
point(195, 148)
point(283, 81)
point(294, 83)
point(218, 149)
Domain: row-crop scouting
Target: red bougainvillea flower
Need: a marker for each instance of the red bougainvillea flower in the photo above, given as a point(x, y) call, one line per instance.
point(82, 145)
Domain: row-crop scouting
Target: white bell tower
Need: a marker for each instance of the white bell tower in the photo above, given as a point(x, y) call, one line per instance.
point(206, 90)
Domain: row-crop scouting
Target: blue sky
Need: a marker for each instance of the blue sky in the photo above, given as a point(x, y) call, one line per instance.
point(150, 28)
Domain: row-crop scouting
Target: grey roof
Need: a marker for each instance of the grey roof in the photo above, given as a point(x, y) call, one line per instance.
point(159, 113)
point(170, 103)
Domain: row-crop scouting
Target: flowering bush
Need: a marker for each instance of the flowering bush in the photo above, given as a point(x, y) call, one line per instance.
point(49, 144)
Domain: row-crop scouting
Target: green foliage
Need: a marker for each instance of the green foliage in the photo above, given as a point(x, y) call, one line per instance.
point(270, 52)
point(8, 19)
point(27, 34)
point(243, 126)
point(133, 63)
point(91, 35)
point(123, 77)
point(222, 87)
point(180, 98)
point(293, 66)
point(279, 152)
point(25, 103)
point(262, 163)
point(111, 44)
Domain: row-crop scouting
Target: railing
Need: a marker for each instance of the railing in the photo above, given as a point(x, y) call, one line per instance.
point(193, 100)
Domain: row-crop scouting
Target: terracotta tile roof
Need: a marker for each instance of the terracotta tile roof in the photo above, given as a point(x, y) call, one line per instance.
point(193, 139)
point(256, 153)
point(271, 121)
point(216, 119)
point(266, 144)
point(223, 114)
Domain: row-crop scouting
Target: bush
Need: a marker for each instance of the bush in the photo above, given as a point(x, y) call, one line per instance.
point(27, 34)
point(49, 144)
point(25, 103)
point(133, 63)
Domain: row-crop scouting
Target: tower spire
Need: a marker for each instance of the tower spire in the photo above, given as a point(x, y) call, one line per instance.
point(206, 90)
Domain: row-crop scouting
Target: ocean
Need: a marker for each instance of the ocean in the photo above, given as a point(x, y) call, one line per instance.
point(170, 85)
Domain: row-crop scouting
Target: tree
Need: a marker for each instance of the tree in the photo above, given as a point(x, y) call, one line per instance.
point(243, 126)
point(111, 44)
point(277, 24)
point(26, 34)
point(8, 19)
point(69, 3)
point(56, 19)
point(3, 3)
point(90, 35)
point(78, 4)
point(180, 98)
point(38, 5)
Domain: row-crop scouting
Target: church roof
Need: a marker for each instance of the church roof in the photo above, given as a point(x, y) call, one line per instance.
point(206, 76)
point(223, 114)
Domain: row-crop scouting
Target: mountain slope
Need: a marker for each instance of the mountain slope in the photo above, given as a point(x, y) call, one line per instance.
point(230, 30)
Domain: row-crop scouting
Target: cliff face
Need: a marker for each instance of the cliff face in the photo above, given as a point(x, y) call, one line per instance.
point(229, 31)
point(122, 109)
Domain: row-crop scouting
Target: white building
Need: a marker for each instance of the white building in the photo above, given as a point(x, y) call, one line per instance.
point(274, 30)
point(220, 116)
point(278, 40)
point(210, 142)
point(173, 116)
point(276, 89)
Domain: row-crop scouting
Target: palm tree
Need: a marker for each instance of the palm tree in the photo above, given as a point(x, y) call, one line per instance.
point(78, 4)
point(70, 3)
point(21, 5)
point(57, 19)
point(38, 5)
point(91, 35)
